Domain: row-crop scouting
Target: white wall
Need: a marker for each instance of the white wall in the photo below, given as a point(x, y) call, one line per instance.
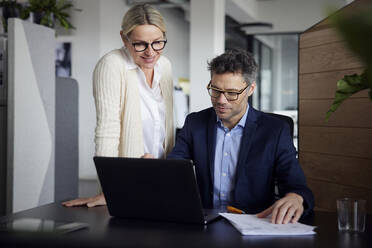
point(97, 32)
point(207, 40)
point(85, 51)
point(178, 46)
point(110, 18)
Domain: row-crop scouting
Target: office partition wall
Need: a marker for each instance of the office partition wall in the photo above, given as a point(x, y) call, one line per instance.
point(31, 115)
point(3, 120)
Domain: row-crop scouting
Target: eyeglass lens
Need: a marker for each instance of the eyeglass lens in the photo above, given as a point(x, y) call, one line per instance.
point(229, 95)
point(142, 46)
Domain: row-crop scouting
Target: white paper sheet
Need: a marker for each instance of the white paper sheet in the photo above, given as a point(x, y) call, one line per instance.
point(248, 224)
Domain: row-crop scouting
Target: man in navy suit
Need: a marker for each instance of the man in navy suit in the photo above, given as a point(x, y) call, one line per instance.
point(239, 153)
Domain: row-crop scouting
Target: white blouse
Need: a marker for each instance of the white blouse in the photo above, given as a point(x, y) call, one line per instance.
point(152, 111)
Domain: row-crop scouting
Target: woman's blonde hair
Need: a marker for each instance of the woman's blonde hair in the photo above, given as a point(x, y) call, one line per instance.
point(142, 14)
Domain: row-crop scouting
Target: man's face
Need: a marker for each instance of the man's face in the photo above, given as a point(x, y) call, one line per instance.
point(230, 112)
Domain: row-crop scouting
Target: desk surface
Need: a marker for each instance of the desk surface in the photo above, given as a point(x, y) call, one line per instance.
point(105, 231)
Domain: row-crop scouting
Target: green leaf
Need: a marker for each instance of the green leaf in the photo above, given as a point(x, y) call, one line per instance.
point(346, 87)
point(66, 6)
point(64, 23)
point(59, 8)
point(64, 14)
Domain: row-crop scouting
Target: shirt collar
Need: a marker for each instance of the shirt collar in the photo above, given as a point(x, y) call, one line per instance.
point(242, 121)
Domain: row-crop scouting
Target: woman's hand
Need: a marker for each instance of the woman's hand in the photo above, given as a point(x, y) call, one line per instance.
point(97, 200)
point(148, 155)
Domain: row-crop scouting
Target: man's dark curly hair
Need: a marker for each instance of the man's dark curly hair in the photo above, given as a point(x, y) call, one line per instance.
point(235, 61)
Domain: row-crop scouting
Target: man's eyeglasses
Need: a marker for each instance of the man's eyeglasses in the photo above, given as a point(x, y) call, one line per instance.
point(142, 46)
point(230, 95)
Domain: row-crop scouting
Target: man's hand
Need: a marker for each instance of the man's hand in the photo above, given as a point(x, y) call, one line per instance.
point(287, 209)
point(97, 200)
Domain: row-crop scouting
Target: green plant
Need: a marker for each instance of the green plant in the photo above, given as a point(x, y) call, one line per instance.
point(356, 30)
point(10, 8)
point(51, 11)
point(12, 4)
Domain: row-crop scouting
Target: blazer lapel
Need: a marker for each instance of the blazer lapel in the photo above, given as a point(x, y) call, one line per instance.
point(246, 142)
point(212, 128)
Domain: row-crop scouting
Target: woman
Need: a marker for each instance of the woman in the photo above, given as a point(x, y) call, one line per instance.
point(133, 94)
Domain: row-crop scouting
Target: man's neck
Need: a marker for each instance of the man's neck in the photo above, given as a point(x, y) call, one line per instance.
point(230, 124)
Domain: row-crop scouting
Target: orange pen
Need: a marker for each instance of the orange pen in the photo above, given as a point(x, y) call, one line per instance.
point(231, 209)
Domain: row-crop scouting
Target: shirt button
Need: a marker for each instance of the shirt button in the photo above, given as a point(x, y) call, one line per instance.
point(222, 194)
point(224, 174)
point(225, 154)
point(228, 134)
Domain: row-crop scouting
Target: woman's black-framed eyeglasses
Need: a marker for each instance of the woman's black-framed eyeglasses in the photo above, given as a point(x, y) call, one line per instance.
point(230, 95)
point(141, 46)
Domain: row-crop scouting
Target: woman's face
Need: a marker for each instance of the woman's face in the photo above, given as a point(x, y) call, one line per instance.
point(140, 37)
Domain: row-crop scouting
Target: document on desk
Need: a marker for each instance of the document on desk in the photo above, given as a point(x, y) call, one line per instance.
point(249, 224)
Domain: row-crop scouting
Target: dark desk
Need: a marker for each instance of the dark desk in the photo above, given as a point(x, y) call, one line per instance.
point(105, 231)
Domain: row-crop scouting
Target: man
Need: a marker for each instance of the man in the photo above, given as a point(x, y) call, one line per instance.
point(240, 152)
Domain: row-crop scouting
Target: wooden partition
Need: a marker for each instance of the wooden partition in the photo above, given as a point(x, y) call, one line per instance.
point(335, 155)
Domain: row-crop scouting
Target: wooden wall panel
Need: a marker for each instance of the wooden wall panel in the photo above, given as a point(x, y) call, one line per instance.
point(354, 142)
point(336, 156)
point(353, 112)
point(326, 194)
point(335, 169)
point(324, 84)
point(328, 57)
point(319, 37)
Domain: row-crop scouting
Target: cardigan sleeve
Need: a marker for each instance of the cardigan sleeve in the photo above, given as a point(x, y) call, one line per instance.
point(106, 91)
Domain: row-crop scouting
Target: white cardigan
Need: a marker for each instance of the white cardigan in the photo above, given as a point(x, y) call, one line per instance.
point(119, 125)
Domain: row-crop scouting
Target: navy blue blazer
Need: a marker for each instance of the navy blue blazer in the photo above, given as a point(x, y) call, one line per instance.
point(266, 155)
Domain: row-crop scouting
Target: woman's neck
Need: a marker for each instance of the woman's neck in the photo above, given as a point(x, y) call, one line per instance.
point(149, 75)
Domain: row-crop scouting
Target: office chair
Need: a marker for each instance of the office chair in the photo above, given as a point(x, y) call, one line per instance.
point(289, 120)
point(285, 118)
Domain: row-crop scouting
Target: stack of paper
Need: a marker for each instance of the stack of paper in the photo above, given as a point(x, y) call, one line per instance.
point(249, 224)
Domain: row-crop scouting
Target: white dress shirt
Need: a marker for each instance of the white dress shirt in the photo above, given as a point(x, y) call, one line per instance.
point(152, 112)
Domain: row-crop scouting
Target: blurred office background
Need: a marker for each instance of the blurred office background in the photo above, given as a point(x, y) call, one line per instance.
point(198, 30)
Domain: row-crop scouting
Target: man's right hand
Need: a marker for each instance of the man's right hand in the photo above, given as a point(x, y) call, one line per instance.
point(97, 200)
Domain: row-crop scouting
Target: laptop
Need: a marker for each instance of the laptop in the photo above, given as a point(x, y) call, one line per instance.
point(152, 189)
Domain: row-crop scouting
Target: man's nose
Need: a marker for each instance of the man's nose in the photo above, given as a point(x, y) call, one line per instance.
point(222, 98)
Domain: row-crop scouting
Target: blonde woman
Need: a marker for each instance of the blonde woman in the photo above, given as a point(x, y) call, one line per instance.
point(133, 94)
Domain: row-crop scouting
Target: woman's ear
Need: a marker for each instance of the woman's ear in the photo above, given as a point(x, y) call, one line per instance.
point(123, 38)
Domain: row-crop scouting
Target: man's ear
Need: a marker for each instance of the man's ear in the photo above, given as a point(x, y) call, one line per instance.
point(251, 88)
